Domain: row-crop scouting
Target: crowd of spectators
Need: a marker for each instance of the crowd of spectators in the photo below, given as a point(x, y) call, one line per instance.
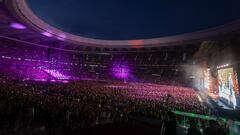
point(88, 103)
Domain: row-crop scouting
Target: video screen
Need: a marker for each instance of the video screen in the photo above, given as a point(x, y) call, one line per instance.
point(226, 86)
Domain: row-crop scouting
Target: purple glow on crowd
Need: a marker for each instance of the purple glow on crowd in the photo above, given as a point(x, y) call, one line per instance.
point(40, 80)
point(120, 70)
point(16, 25)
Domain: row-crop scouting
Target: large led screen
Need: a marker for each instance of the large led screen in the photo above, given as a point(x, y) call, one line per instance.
point(226, 86)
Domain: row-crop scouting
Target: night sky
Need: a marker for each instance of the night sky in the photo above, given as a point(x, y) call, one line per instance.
point(134, 19)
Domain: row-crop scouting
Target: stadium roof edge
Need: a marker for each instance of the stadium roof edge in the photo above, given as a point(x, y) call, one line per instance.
point(20, 10)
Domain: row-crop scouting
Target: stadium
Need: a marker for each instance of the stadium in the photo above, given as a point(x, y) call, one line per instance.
point(119, 67)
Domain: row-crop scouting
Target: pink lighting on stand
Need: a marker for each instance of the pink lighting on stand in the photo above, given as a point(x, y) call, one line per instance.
point(40, 80)
point(16, 25)
point(65, 81)
point(52, 80)
point(136, 43)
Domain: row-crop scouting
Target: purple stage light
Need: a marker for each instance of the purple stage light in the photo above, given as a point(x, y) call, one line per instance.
point(61, 37)
point(16, 25)
point(120, 70)
point(57, 74)
point(45, 33)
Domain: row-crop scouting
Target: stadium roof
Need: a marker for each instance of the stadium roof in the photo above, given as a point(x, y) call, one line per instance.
point(41, 30)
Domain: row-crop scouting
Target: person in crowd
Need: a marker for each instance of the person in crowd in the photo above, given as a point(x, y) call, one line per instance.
point(214, 129)
point(171, 124)
point(193, 129)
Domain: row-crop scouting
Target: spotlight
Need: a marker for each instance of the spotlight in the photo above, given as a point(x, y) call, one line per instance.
point(61, 37)
point(16, 25)
point(47, 34)
point(120, 70)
